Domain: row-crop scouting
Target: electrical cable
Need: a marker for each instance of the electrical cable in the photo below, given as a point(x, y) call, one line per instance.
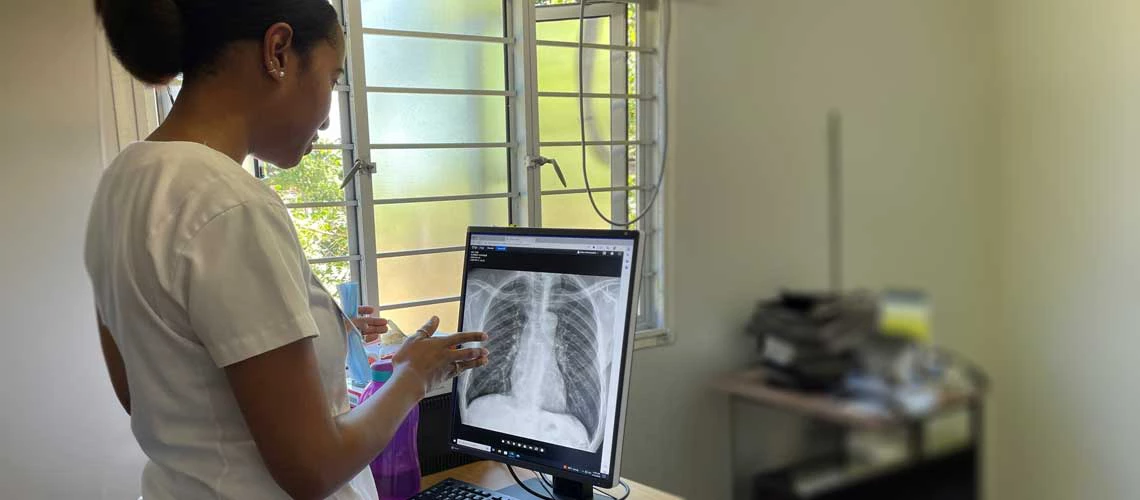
point(623, 485)
point(663, 96)
point(546, 485)
point(511, 469)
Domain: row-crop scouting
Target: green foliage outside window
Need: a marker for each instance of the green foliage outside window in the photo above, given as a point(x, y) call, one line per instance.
point(323, 231)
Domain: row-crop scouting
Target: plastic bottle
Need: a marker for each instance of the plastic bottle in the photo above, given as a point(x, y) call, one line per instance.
point(397, 468)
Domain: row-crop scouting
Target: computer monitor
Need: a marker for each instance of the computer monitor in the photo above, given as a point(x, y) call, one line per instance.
point(558, 307)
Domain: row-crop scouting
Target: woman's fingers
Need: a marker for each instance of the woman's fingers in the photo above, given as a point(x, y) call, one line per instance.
point(463, 366)
point(465, 337)
point(428, 329)
point(461, 355)
point(374, 325)
point(365, 310)
point(371, 327)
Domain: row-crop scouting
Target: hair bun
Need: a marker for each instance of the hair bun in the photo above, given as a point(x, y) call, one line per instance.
point(146, 36)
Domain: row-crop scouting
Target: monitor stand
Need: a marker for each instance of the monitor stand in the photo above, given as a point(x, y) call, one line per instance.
point(564, 489)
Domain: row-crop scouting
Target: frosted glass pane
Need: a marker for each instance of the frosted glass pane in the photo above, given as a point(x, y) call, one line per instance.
point(558, 70)
point(332, 135)
point(410, 319)
point(323, 232)
point(408, 173)
point(410, 226)
point(558, 66)
point(558, 118)
point(598, 162)
point(406, 118)
point(441, 64)
point(465, 17)
point(597, 30)
point(316, 178)
point(574, 211)
point(420, 277)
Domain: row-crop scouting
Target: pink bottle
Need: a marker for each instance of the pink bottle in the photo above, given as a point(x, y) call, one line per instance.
point(397, 468)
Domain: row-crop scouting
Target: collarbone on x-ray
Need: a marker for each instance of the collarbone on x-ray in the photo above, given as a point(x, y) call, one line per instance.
point(550, 341)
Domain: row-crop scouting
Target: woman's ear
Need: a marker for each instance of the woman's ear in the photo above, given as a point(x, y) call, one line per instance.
point(275, 51)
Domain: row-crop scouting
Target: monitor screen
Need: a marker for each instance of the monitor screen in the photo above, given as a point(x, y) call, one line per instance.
point(557, 309)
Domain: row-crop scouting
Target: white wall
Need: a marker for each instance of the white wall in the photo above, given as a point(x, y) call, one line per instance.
point(752, 83)
point(64, 435)
point(1065, 404)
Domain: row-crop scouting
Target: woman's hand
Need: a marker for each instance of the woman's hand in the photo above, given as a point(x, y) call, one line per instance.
point(371, 328)
point(433, 361)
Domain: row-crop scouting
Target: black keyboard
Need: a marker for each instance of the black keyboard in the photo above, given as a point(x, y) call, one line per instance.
point(454, 489)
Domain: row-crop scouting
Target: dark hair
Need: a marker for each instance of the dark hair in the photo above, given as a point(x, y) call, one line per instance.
point(156, 40)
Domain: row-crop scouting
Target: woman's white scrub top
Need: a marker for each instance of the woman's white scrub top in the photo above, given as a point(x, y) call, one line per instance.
point(196, 266)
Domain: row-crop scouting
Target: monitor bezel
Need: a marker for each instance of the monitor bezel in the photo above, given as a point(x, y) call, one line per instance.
point(612, 479)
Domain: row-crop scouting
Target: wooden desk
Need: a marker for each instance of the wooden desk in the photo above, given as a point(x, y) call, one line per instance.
point(494, 476)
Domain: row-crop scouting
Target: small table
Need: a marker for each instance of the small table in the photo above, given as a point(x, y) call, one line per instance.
point(750, 387)
point(494, 476)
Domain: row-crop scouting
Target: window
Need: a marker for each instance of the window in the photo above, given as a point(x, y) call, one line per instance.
point(447, 102)
point(619, 158)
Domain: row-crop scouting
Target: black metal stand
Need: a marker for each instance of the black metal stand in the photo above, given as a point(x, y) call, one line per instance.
point(572, 490)
point(564, 489)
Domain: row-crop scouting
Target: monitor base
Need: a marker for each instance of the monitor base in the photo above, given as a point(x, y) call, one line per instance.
point(536, 485)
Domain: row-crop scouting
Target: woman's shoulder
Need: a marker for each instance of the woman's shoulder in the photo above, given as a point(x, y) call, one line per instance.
point(189, 172)
point(173, 189)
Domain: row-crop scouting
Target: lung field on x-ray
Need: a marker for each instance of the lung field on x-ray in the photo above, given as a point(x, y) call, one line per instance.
point(550, 340)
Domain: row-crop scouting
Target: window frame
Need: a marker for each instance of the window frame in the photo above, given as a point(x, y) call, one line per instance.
point(651, 322)
point(524, 191)
point(360, 91)
point(619, 197)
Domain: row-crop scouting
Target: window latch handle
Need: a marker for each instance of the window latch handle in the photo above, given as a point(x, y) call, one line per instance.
point(357, 166)
point(539, 161)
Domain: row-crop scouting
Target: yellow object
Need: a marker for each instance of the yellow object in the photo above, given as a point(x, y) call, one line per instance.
point(906, 315)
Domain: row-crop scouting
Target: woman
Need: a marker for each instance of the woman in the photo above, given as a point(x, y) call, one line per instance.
point(225, 351)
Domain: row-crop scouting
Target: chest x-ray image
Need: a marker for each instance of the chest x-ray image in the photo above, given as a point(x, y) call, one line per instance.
point(551, 342)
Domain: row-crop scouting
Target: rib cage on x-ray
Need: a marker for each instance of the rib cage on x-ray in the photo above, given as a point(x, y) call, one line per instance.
point(572, 315)
point(506, 315)
point(576, 349)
